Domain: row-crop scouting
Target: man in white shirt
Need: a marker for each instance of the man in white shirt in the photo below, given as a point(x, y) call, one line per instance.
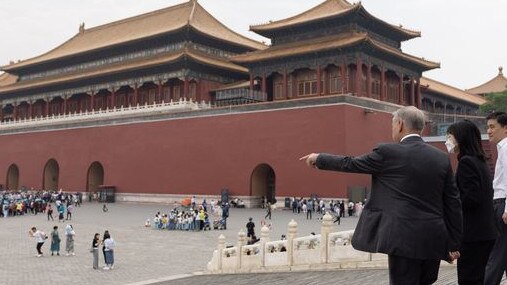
point(40, 238)
point(497, 263)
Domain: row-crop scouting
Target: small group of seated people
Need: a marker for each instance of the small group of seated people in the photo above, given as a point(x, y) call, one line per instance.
point(237, 203)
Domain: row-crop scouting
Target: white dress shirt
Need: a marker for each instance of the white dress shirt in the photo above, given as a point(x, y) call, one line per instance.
point(500, 180)
point(410, 135)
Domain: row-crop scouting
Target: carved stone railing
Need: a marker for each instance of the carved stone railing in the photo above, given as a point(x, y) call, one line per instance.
point(169, 107)
point(324, 250)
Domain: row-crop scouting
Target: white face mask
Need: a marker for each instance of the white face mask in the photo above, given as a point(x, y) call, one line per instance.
point(449, 144)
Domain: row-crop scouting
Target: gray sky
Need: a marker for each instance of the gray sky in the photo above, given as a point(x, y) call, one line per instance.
point(468, 37)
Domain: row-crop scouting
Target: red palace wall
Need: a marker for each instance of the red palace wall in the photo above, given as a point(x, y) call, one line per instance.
point(203, 155)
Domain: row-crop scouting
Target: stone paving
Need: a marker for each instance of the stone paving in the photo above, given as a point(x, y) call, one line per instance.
point(145, 256)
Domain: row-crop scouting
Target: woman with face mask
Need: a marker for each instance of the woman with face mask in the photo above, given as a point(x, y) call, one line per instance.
point(475, 186)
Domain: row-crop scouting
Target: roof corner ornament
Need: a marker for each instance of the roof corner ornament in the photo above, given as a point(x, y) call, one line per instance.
point(500, 70)
point(81, 28)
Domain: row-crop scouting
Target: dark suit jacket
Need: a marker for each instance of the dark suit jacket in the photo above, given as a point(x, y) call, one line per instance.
point(414, 209)
point(476, 192)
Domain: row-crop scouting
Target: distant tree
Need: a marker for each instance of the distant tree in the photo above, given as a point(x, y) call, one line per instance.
point(495, 102)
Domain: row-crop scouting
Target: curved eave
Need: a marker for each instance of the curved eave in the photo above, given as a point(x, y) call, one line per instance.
point(423, 63)
point(294, 49)
point(405, 34)
point(267, 30)
point(255, 46)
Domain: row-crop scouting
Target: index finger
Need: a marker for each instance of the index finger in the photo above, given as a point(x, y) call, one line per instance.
point(304, 157)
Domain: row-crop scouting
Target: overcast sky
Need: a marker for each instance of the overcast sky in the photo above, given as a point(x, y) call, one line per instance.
point(468, 37)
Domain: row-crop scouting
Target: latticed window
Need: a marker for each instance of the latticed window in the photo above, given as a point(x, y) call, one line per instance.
point(393, 91)
point(335, 80)
point(152, 94)
point(55, 108)
point(177, 93)
point(375, 84)
point(278, 86)
point(307, 83)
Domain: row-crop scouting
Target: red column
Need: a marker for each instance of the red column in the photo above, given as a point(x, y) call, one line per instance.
point(401, 94)
point(264, 84)
point(382, 83)
point(15, 111)
point(159, 99)
point(344, 77)
point(92, 100)
point(325, 88)
point(319, 87)
point(285, 85)
point(418, 98)
point(251, 85)
point(1, 113)
point(30, 109)
point(47, 107)
point(412, 92)
point(368, 81)
point(186, 87)
point(136, 93)
point(359, 71)
point(65, 105)
point(113, 98)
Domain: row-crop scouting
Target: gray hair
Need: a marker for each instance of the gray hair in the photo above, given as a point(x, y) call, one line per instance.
point(412, 118)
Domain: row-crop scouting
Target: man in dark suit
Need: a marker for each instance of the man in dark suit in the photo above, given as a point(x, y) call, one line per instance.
point(414, 212)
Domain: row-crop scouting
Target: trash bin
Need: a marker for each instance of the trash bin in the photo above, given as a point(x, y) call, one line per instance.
point(107, 193)
point(287, 202)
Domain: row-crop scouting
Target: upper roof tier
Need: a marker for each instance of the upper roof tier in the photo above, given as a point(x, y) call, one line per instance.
point(497, 84)
point(326, 10)
point(189, 14)
point(329, 43)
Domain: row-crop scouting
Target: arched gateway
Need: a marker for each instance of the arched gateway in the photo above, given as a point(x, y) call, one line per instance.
point(12, 182)
point(95, 177)
point(51, 175)
point(262, 182)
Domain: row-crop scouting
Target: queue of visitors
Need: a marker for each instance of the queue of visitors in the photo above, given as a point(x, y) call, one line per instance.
point(16, 203)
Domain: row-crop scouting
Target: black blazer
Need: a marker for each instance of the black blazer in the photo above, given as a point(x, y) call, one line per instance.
point(414, 209)
point(476, 192)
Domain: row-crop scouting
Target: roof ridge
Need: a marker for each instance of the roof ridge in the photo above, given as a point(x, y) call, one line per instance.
point(137, 17)
point(400, 27)
point(197, 5)
point(499, 76)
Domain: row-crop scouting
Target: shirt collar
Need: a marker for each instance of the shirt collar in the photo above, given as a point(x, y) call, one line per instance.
point(502, 143)
point(408, 136)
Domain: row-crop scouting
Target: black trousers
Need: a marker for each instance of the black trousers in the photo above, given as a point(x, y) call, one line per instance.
point(408, 271)
point(473, 260)
point(39, 247)
point(497, 262)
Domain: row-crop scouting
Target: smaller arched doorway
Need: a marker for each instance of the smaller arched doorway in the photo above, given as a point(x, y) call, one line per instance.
point(95, 177)
point(51, 175)
point(263, 182)
point(12, 182)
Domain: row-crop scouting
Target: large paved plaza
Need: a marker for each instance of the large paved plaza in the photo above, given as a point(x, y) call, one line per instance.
point(144, 255)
